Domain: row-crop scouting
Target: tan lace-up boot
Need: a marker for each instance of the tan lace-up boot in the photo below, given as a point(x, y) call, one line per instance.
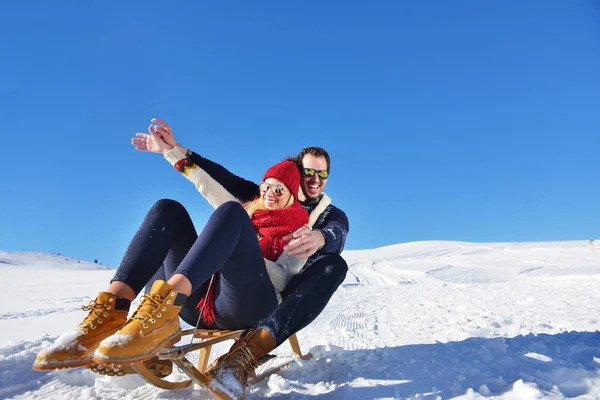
point(159, 368)
point(107, 314)
point(231, 372)
point(152, 327)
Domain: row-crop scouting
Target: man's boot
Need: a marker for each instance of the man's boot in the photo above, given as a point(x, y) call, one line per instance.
point(232, 370)
point(152, 327)
point(107, 314)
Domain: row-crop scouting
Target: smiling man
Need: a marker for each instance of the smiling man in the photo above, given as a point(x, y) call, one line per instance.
point(329, 230)
point(316, 172)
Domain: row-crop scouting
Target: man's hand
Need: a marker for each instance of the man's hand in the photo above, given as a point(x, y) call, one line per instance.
point(304, 242)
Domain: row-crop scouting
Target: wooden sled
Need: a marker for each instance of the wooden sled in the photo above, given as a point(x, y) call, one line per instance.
point(197, 374)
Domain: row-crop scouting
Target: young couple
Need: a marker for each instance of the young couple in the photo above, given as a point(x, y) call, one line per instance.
point(267, 261)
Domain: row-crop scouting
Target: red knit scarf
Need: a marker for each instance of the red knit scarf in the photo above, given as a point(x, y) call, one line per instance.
point(271, 226)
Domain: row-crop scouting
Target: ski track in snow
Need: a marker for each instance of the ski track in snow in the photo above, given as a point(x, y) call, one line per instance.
point(77, 301)
point(37, 313)
point(429, 320)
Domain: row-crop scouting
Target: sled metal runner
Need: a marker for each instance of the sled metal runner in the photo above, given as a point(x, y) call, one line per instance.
point(197, 374)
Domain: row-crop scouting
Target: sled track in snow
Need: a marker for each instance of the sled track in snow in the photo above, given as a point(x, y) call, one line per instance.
point(81, 300)
point(56, 389)
point(366, 274)
point(37, 313)
point(382, 273)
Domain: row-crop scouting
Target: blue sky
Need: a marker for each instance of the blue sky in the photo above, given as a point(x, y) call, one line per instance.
point(463, 120)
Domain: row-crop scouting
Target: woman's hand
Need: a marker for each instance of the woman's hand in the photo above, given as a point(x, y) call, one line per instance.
point(151, 142)
point(165, 132)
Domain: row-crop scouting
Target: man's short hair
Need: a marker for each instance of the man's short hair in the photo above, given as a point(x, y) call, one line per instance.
point(316, 152)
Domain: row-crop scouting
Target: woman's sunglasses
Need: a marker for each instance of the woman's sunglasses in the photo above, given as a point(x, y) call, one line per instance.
point(321, 173)
point(278, 189)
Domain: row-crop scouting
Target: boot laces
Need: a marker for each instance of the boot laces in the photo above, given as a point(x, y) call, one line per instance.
point(240, 357)
point(96, 310)
point(246, 360)
point(149, 305)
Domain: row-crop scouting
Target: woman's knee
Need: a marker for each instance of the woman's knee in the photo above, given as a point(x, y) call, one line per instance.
point(167, 205)
point(164, 203)
point(167, 210)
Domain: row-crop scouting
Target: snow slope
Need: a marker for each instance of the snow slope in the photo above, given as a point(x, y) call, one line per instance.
point(415, 320)
point(39, 260)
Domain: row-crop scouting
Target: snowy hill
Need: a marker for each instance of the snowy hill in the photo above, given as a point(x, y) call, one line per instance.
point(36, 259)
point(493, 262)
point(425, 319)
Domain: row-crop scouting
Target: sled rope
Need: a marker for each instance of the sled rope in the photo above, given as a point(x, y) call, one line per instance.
point(182, 355)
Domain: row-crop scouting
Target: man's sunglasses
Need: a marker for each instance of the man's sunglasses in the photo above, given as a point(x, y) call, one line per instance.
point(321, 173)
point(278, 189)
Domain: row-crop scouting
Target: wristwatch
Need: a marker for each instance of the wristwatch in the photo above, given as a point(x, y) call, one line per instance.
point(188, 153)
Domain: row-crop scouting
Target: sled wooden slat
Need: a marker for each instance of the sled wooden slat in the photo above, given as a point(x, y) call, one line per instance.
point(207, 333)
point(149, 377)
point(296, 348)
point(179, 351)
point(198, 374)
point(203, 358)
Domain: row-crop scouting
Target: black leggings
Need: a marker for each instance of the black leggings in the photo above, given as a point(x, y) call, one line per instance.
point(167, 243)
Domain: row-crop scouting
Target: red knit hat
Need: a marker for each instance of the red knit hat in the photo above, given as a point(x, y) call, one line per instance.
point(287, 172)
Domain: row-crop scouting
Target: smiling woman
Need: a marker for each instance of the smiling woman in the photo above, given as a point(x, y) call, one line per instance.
point(276, 198)
point(277, 189)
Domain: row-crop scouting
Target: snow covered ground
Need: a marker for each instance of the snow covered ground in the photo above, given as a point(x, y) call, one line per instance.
point(417, 320)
